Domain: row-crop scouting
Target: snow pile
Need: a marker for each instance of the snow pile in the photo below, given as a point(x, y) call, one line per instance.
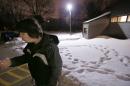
point(70, 36)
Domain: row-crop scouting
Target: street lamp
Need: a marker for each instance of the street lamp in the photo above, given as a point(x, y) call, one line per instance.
point(69, 7)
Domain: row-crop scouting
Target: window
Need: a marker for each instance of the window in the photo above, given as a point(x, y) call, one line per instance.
point(122, 18)
point(114, 19)
point(128, 18)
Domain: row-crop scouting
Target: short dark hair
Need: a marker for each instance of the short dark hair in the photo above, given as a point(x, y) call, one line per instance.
point(30, 26)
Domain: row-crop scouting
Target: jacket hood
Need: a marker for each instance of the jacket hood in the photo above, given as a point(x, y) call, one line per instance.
point(47, 38)
point(54, 39)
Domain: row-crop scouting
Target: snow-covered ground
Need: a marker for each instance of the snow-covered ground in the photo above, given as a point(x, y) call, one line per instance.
point(87, 62)
point(96, 62)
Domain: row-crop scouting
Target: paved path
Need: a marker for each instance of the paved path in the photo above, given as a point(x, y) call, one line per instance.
point(18, 76)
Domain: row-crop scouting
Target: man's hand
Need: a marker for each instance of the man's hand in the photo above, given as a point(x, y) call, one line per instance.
point(5, 63)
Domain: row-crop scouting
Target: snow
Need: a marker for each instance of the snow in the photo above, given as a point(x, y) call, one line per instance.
point(88, 62)
point(96, 62)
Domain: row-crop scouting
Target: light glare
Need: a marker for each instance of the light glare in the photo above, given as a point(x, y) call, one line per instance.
point(123, 18)
point(69, 7)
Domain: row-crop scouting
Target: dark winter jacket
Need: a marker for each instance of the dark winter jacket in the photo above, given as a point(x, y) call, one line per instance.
point(43, 60)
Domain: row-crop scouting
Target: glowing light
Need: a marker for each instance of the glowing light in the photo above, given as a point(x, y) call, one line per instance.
point(122, 19)
point(69, 6)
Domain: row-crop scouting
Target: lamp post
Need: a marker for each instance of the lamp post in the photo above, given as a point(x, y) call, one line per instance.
point(69, 8)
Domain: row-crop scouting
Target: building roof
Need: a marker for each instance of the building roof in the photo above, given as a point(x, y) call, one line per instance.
point(104, 14)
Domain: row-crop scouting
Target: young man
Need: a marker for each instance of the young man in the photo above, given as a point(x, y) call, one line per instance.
point(41, 54)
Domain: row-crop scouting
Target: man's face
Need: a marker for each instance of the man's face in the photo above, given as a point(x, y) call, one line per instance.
point(25, 37)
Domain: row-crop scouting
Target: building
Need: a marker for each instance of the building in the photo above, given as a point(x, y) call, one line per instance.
point(115, 23)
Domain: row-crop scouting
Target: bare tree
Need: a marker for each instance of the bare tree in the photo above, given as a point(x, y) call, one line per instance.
point(38, 7)
point(23, 8)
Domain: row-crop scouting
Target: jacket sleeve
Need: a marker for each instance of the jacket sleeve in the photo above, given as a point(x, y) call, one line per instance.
point(19, 60)
point(55, 64)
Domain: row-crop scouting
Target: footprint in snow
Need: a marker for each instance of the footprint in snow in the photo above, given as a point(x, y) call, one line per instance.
point(122, 77)
point(102, 71)
point(127, 75)
point(91, 70)
point(80, 70)
point(108, 70)
point(70, 58)
point(74, 62)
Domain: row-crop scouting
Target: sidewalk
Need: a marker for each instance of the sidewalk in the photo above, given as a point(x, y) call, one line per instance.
point(18, 76)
